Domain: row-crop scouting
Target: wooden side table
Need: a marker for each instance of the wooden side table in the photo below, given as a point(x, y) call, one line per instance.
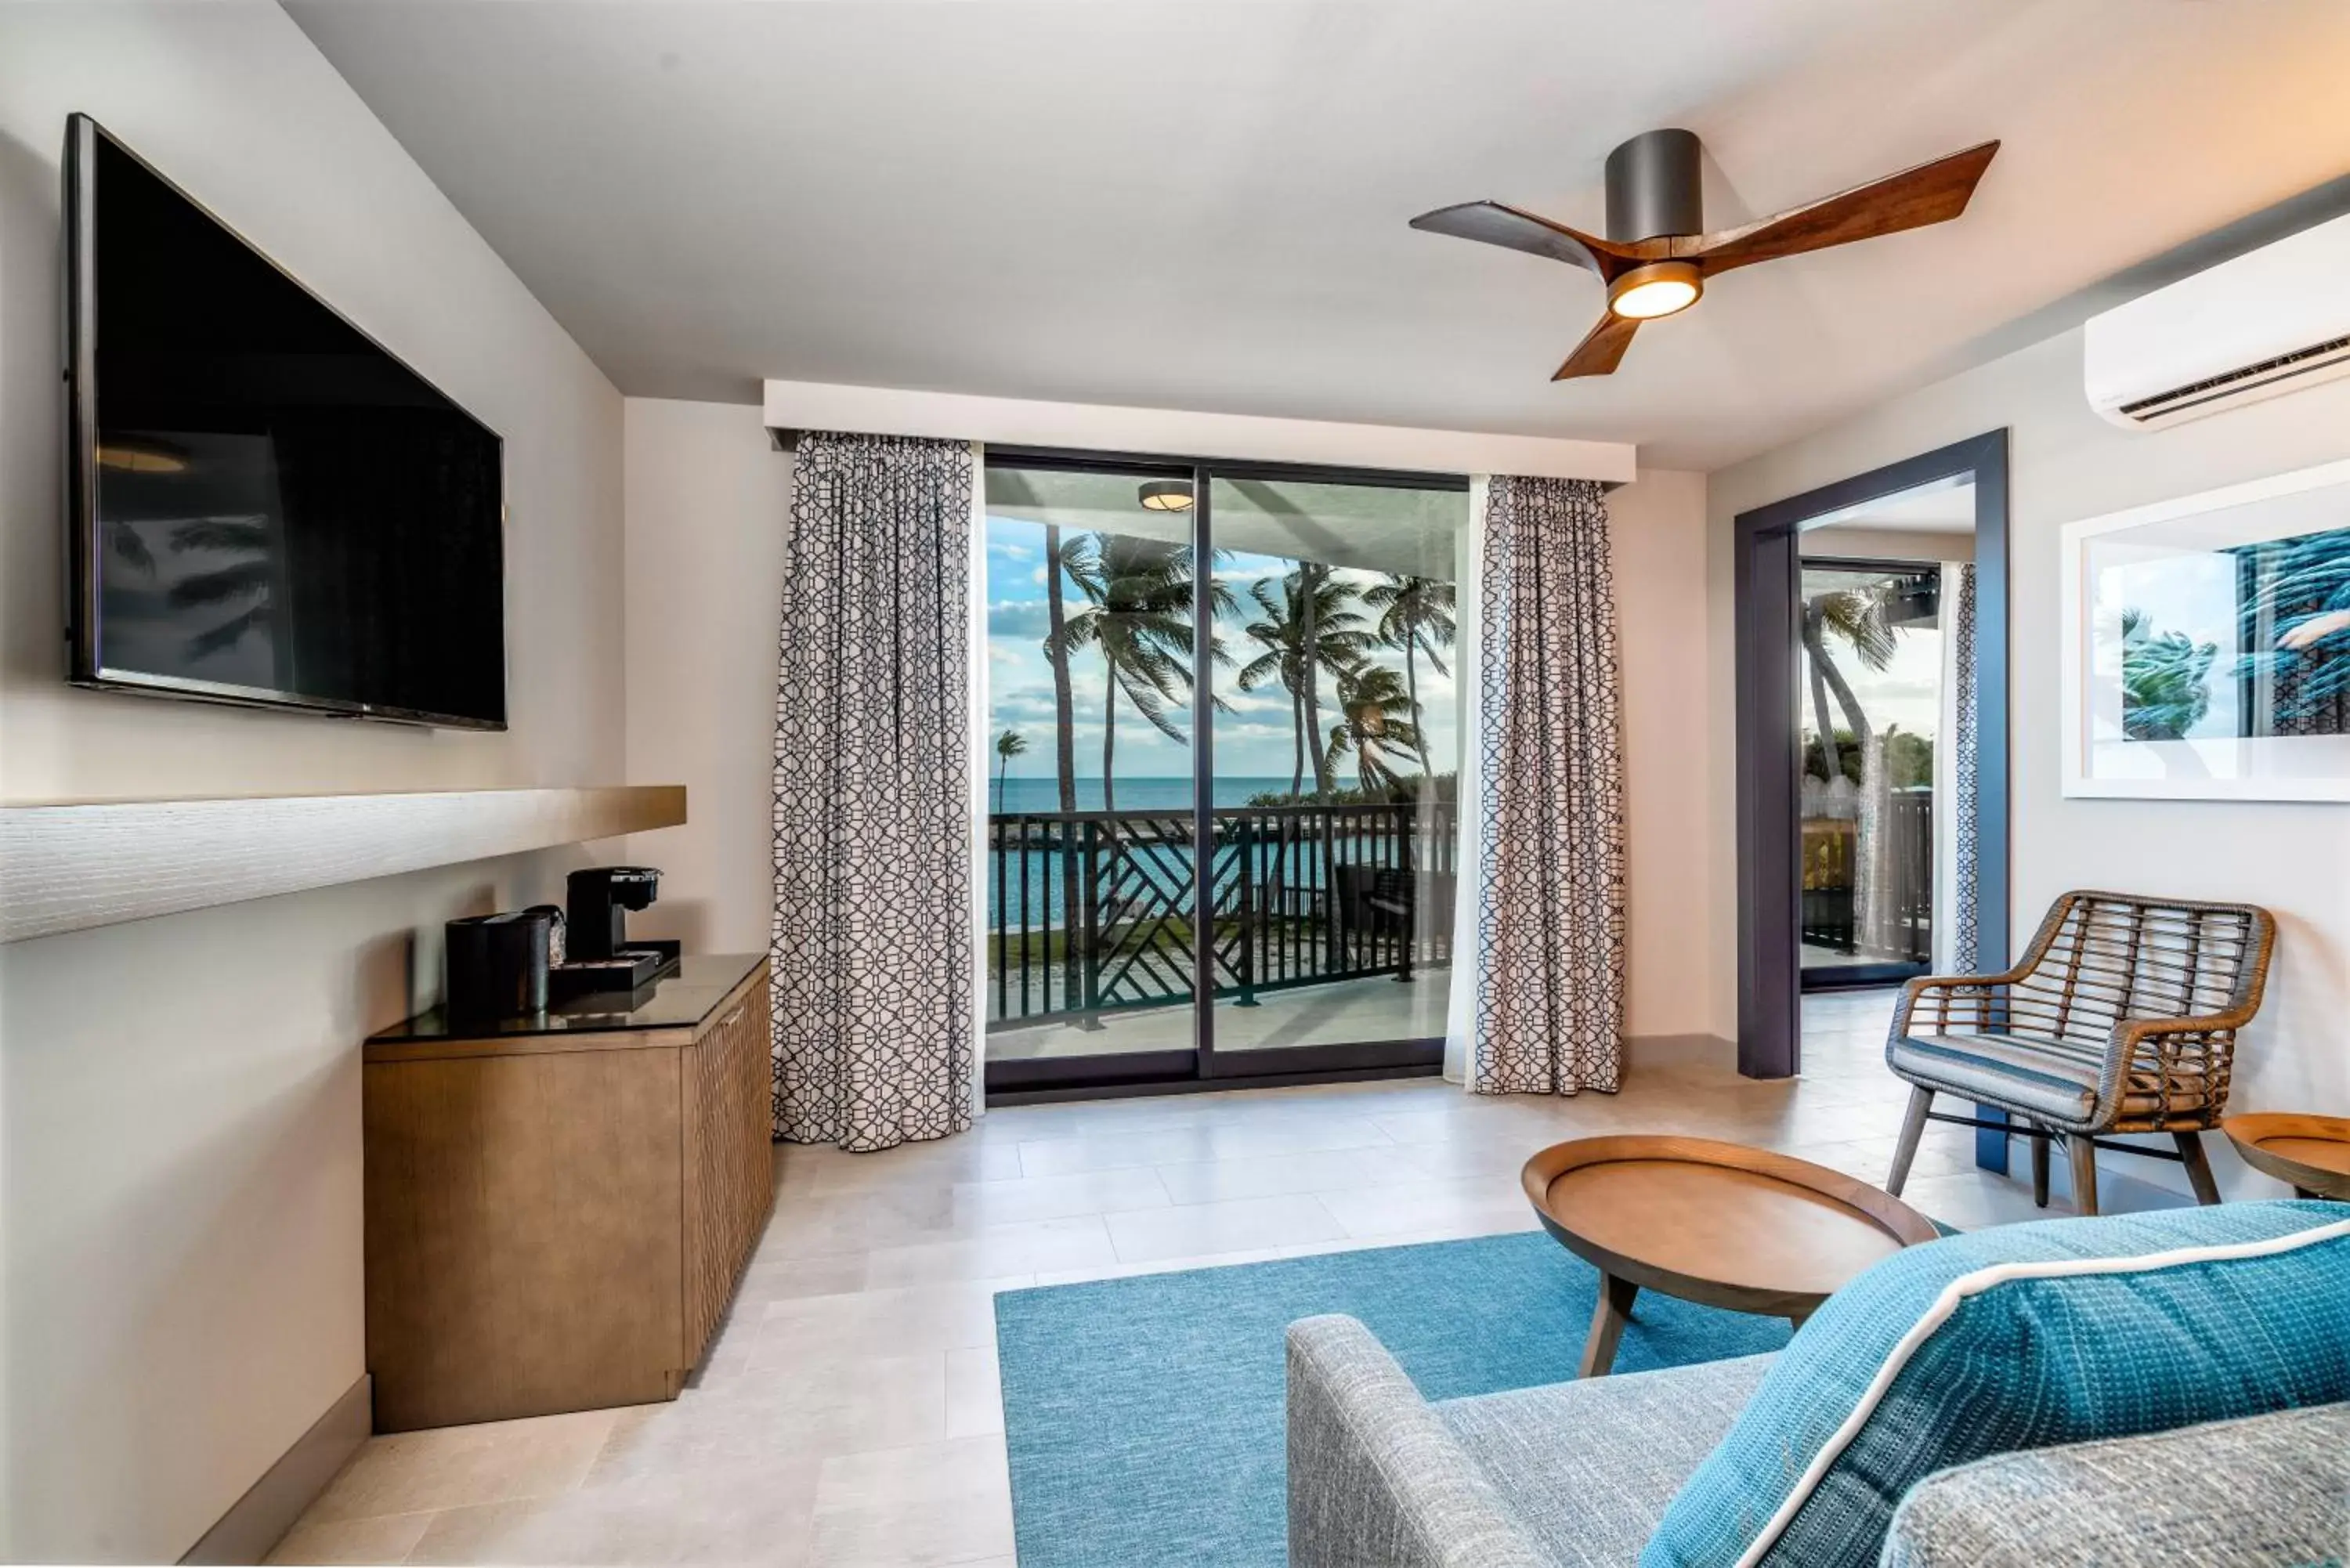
point(1716, 1223)
point(2310, 1154)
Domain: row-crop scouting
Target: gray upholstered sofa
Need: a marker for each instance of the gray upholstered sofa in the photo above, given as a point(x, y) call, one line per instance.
point(1576, 1475)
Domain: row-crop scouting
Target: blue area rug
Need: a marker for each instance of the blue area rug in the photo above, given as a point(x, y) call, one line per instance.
point(1145, 1415)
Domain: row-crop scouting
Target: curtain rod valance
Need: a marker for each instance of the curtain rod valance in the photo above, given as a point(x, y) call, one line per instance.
point(1019, 422)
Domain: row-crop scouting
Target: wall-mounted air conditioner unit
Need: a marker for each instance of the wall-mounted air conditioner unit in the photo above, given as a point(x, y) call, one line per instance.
point(2272, 321)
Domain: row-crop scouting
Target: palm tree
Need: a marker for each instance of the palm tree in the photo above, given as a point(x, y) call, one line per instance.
point(1375, 716)
point(1074, 560)
point(1857, 618)
point(244, 581)
point(1415, 615)
point(1306, 628)
point(1008, 745)
point(2166, 688)
point(1137, 615)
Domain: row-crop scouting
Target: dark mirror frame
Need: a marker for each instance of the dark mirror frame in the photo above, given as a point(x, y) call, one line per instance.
point(1767, 591)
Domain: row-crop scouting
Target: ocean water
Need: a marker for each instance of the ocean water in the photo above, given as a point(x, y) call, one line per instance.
point(1131, 795)
point(1026, 886)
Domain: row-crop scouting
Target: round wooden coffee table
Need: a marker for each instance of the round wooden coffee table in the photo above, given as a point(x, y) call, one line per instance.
point(1716, 1223)
point(2310, 1153)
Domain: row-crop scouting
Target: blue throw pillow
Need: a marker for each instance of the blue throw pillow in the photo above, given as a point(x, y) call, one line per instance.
point(2017, 1337)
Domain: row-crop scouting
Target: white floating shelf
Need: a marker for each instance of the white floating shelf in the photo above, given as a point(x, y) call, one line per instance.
point(70, 866)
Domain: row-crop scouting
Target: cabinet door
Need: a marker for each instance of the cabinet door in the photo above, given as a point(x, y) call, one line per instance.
point(522, 1237)
point(730, 1161)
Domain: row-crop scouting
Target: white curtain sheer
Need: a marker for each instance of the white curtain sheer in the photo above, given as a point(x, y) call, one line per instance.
point(982, 746)
point(1460, 1019)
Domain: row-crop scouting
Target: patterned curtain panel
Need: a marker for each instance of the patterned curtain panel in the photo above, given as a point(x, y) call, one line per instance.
point(873, 1002)
point(1960, 951)
point(1549, 1005)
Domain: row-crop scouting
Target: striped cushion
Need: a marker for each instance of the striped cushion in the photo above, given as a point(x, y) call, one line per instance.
point(2017, 1337)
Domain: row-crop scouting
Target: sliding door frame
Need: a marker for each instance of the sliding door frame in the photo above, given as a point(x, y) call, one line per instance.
point(1203, 1067)
point(1767, 589)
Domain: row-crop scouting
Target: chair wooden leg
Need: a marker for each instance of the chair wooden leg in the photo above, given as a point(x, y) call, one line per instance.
point(1913, 1127)
point(2039, 1169)
point(2081, 1150)
point(2199, 1168)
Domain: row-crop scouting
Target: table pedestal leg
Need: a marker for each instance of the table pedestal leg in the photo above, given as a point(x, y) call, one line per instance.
point(1607, 1325)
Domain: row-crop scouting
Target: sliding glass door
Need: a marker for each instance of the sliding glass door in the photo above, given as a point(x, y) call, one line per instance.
point(1225, 856)
point(1335, 736)
point(1869, 673)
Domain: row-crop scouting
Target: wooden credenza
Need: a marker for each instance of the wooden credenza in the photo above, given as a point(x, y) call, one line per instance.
point(559, 1209)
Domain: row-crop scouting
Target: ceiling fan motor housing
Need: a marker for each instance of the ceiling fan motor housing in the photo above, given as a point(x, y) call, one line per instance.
point(1653, 187)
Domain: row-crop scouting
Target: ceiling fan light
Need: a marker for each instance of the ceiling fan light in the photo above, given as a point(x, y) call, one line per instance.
point(1165, 494)
point(1659, 288)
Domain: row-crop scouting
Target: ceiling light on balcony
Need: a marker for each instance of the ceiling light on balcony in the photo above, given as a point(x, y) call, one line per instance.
point(1165, 494)
point(141, 454)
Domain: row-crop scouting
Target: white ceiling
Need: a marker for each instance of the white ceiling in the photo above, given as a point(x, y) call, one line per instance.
point(1945, 506)
point(1201, 204)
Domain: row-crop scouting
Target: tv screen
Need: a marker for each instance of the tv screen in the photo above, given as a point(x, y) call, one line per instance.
point(266, 506)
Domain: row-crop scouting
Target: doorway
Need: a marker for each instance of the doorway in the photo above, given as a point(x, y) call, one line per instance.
point(1872, 751)
point(1224, 736)
point(1876, 727)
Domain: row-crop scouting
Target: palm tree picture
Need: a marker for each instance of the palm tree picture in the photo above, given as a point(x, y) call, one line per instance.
point(1008, 745)
point(2166, 680)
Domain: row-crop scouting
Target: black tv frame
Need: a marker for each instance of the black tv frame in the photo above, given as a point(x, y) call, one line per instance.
point(83, 610)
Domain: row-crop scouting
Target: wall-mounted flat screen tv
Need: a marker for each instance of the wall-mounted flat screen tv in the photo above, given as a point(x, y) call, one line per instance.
point(265, 506)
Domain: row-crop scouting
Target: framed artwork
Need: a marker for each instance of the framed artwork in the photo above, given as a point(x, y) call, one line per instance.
point(2207, 645)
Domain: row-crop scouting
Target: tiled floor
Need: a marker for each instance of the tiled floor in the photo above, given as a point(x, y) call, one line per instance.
point(847, 1413)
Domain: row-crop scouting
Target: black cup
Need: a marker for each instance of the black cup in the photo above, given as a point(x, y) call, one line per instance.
point(497, 965)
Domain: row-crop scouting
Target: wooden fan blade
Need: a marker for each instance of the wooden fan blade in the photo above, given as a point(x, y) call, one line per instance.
point(1494, 223)
point(1602, 349)
point(1930, 193)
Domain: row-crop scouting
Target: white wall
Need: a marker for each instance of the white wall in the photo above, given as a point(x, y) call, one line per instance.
point(1658, 551)
point(2066, 463)
point(709, 501)
point(181, 1267)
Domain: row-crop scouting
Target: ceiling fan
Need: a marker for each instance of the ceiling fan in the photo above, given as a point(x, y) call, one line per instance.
point(1657, 255)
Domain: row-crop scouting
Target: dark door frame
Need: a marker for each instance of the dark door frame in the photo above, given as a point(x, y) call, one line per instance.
point(1202, 1067)
point(1766, 592)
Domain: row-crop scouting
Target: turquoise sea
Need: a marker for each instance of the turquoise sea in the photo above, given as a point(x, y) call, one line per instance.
point(1131, 795)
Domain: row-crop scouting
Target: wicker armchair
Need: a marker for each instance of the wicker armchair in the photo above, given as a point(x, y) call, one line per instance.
point(2121, 1019)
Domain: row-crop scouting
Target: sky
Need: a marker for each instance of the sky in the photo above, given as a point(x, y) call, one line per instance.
point(1907, 692)
point(1254, 739)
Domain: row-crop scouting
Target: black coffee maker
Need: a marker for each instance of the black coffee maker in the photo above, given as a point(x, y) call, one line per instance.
point(599, 957)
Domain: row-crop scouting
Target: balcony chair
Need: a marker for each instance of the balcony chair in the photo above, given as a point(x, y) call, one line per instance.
point(2121, 1019)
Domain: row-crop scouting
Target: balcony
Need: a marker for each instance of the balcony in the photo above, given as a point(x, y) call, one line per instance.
point(1326, 924)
